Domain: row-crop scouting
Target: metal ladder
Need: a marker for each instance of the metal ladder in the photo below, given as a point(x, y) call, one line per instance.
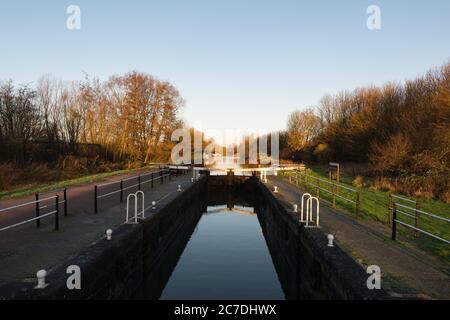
point(136, 214)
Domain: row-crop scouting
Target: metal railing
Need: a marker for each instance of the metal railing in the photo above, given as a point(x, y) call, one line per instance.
point(395, 198)
point(332, 188)
point(155, 175)
point(401, 210)
point(56, 192)
point(37, 203)
point(414, 214)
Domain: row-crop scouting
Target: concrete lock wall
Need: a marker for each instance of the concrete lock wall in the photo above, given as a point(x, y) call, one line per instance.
point(306, 266)
point(120, 268)
point(135, 262)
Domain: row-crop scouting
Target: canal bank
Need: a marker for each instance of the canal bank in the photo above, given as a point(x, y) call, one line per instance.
point(140, 259)
point(406, 273)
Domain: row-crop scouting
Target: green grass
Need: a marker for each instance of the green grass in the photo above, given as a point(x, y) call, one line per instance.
point(37, 187)
point(374, 206)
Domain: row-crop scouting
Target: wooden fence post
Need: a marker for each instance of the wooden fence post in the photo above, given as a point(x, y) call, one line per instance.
point(318, 188)
point(334, 195)
point(416, 233)
point(357, 204)
point(65, 202)
point(394, 222)
point(389, 210)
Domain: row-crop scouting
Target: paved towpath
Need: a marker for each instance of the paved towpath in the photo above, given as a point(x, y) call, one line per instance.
point(26, 249)
point(406, 273)
point(80, 197)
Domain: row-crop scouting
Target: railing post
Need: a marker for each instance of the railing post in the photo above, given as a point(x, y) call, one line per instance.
point(318, 188)
point(390, 209)
point(121, 190)
point(394, 222)
point(152, 180)
point(57, 213)
point(95, 199)
point(65, 202)
point(357, 204)
point(38, 221)
point(416, 233)
point(334, 195)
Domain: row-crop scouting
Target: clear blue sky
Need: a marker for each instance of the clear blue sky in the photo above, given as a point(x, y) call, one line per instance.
point(238, 64)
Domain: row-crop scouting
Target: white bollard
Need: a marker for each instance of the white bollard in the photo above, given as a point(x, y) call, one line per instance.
point(41, 274)
point(295, 208)
point(108, 234)
point(179, 188)
point(153, 204)
point(275, 189)
point(330, 240)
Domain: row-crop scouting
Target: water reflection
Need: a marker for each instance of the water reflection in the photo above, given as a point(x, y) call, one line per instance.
point(225, 258)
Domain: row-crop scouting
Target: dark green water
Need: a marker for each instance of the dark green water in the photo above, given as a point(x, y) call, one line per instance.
point(225, 258)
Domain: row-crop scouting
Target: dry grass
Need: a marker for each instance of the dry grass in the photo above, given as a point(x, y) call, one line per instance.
point(14, 177)
point(427, 187)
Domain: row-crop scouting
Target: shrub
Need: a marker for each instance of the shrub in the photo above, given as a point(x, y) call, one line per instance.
point(446, 196)
point(323, 152)
point(391, 157)
point(359, 182)
point(8, 175)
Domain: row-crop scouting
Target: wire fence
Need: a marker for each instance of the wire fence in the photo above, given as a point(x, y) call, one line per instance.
point(407, 213)
point(326, 190)
point(400, 210)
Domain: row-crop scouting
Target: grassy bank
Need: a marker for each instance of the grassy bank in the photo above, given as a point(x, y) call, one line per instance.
point(374, 206)
point(44, 187)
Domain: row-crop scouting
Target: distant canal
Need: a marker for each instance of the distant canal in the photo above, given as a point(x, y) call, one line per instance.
point(225, 258)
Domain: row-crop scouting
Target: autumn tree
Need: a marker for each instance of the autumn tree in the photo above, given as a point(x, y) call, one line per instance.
point(302, 127)
point(131, 116)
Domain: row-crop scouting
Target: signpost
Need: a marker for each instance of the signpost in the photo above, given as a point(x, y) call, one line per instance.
point(334, 167)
